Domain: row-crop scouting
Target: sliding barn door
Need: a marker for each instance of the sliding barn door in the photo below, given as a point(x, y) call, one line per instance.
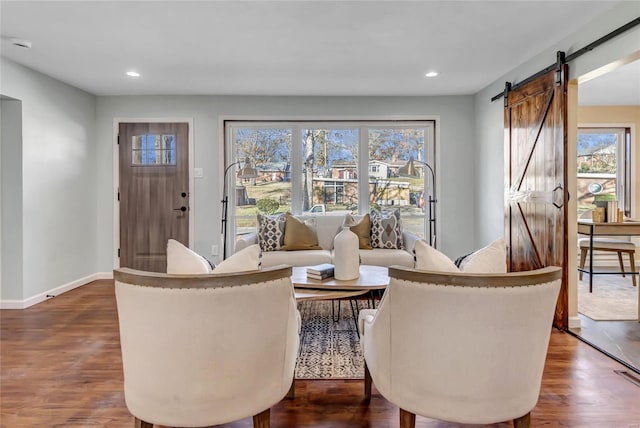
point(535, 174)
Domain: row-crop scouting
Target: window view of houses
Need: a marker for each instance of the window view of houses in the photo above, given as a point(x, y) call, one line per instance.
point(315, 168)
point(602, 167)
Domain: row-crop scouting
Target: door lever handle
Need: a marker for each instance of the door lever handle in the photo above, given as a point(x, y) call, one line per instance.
point(183, 209)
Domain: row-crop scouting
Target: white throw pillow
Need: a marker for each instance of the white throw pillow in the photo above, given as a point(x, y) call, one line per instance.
point(183, 261)
point(489, 259)
point(428, 258)
point(244, 260)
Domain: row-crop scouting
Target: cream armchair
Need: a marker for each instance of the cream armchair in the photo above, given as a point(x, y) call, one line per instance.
point(201, 350)
point(465, 348)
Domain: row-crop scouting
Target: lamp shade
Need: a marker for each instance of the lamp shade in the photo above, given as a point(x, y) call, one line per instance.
point(247, 171)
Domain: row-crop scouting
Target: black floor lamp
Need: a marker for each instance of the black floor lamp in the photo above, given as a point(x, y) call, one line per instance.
point(409, 170)
point(246, 172)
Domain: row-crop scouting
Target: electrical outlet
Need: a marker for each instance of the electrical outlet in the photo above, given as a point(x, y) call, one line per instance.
point(214, 250)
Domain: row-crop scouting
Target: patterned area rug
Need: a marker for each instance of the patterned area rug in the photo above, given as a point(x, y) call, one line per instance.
point(613, 298)
point(328, 349)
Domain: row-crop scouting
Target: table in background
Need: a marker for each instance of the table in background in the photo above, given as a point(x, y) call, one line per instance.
point(588, 227)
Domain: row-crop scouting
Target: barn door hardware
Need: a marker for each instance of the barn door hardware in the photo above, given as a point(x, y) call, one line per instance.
point(507, 88)
point(560, 61)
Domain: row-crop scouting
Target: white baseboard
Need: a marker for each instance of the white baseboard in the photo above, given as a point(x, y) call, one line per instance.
point(11, 304)
point(574, 322)
point(34, 300)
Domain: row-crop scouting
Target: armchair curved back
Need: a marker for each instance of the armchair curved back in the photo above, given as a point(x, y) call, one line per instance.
point(201, 350)
point(466, 348)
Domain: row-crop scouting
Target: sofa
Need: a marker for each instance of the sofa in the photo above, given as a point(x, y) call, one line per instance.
point(326, 227)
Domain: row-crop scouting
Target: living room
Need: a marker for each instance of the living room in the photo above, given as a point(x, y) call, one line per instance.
point(59, 216)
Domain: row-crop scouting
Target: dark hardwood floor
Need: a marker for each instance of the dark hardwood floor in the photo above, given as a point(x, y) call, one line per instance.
point(60, 367)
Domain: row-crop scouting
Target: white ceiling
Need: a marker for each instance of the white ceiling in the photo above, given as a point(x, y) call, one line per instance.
point(619, 87)
point(286, 47)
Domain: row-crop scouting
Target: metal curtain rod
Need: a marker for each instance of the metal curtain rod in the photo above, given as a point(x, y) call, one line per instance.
point(591, 46)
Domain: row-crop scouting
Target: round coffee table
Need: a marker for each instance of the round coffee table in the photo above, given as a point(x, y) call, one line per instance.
point(371, 278)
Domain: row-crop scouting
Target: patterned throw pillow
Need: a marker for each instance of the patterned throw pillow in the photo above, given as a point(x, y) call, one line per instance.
point(385, 230)
point(271, 231)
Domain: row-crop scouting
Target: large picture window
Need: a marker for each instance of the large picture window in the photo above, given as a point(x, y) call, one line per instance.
point(330, 168)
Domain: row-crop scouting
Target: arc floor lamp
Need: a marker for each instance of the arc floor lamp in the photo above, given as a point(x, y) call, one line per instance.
point(409, 170)
point(247, 171)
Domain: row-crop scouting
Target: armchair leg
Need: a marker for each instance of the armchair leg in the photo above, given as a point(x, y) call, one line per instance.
point(262, 420)
point(139, 423)
point(522, 421)
point(407, 419)
point(367, 383)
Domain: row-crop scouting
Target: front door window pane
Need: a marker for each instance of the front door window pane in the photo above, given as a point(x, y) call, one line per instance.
point(153, 149)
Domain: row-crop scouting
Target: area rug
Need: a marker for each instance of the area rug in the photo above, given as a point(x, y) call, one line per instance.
point(613, 298)
point(328, 349)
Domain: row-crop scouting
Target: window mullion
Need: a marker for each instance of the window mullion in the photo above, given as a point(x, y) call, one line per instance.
point(296, 168)
point(363, 170)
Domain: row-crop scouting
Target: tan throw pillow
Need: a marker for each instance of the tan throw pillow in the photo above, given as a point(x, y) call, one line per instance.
point(363, 231)
point(298, 236)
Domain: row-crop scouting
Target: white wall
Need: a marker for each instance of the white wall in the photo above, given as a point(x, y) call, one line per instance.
point(11, 167)
point(58, 179)
point(456, 163)
point(489, 180)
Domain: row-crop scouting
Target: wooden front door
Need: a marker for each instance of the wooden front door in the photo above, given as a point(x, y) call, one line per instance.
point(154, 192)
point(535, 174)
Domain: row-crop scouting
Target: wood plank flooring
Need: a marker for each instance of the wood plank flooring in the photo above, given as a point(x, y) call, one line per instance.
point(60, 367)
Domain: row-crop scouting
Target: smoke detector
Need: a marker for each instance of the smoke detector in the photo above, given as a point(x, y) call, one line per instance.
point(22, 43)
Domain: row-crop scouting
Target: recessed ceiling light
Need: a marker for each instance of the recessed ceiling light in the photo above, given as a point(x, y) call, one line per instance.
point(133, 74)
point(431, 74)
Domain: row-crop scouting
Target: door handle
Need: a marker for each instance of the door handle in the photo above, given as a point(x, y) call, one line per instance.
point(558, 202)
point(183, 209)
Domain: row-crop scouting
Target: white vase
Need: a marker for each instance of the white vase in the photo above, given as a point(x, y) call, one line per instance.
point(346, 256)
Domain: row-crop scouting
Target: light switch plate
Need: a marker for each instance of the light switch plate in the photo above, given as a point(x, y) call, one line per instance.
point(198, 173)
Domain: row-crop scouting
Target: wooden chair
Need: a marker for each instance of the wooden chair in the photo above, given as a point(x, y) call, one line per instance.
point(202, 350)
point(464, 348)
point(614, 245)
point(611, 245)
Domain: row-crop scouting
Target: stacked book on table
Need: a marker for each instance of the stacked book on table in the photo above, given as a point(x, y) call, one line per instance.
point(320, 272)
